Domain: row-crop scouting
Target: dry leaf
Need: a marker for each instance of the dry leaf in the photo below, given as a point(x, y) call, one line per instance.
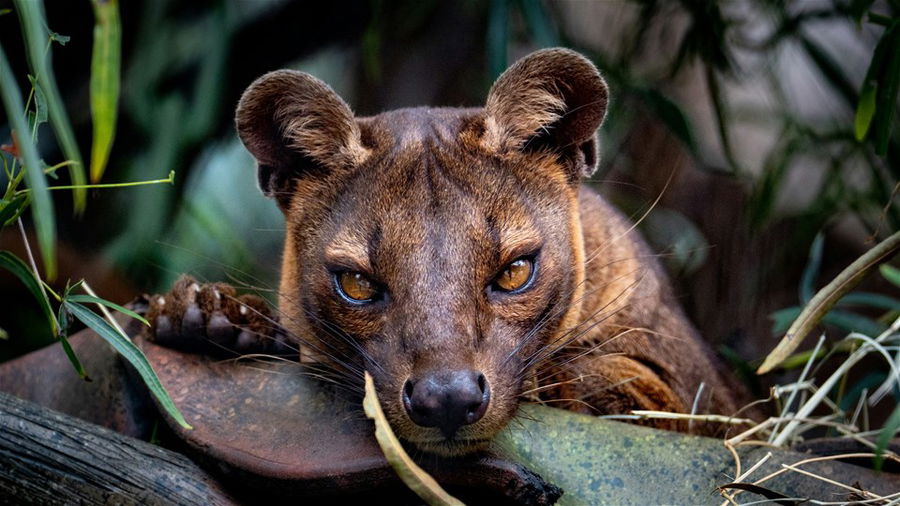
point(412, 475)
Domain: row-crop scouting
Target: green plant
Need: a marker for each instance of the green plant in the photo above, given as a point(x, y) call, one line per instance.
point(865, 337)
point(844, 312)
point(27, 185)
point(878, 96)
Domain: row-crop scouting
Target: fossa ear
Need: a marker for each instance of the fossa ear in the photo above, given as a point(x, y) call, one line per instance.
point(553, 99)
point(295, 124)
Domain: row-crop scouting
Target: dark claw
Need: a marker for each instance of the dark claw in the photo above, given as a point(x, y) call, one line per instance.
point(246, 341)
point(279, 345)
point(219, 330)
point(209, 318)
point(164, 334)
point(192, 324)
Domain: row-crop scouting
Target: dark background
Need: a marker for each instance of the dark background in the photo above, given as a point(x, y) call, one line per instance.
point(737, 114)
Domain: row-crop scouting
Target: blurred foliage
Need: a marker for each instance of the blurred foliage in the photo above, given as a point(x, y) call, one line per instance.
point(183, 66)
point(106, 61)
point(170, 119)
point(21, 162)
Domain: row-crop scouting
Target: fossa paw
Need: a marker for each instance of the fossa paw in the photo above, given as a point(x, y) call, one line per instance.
point(211, 318)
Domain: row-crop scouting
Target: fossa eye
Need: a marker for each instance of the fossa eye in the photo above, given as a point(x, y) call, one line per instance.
point(516, 276)
point(356, 287)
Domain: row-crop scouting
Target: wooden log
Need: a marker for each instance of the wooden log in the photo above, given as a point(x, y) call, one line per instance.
point(50, 458)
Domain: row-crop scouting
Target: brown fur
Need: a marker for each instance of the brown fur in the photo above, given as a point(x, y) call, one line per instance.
point(432, 204)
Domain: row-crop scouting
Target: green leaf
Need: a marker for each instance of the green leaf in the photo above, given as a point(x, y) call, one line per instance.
point(4, 335)
point(827, 297)
point(41, 204)
point(40, 101)
point(59, 38)
point(16, 266)
point(782, 319)
point(105, 74)
point(12, 209)
point(775, 168)
point(62, 316)
point(496, 41)
point(850, 322)
point(132, 353)
point(801, 359)
point(890, 273)
point(884, 438)
point(869, 382)
point(64, 341)
point(846, 321)
point(671, 116)
point(866, 108)
point(539, 23)
point(869, 299)
point(858, 8)
point(865, 111)
point(90, 299)
point(831, 70)
point(34, 31)
point(811, 272)
point(888, 86)
point(722, 115)
point(74, 286)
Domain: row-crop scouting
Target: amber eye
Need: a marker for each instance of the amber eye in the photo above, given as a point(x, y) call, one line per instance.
point(515, 275)
point(356, 286)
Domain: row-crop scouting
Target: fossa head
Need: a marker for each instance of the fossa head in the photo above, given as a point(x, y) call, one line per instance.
point(437, 248)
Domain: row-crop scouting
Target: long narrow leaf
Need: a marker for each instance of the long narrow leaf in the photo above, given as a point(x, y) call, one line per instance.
point(41, 204)
point(412, 475)
point(74, 358)
point(888, 85)
point(782, 319)
point(869, 299)
point(851, 322)
point(21, 270)
point(826, 298)
point(63, 319)
point(34, 30)
point(11, 209)
point(496, 43)
point(90, 299)
point(811, 272)
point(865, 109)
point(539, 23)
point(131, 353)
point(890, 273)
point(834, 73)
point(843, 320)
point(670, 114)
point(884, 438)
point(858, 8)
point(105, 71)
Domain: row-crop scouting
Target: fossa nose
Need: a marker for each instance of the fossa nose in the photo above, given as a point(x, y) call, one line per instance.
point(447, 399)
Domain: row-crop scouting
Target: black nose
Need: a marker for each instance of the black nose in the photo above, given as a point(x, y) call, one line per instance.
point(447, 399)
